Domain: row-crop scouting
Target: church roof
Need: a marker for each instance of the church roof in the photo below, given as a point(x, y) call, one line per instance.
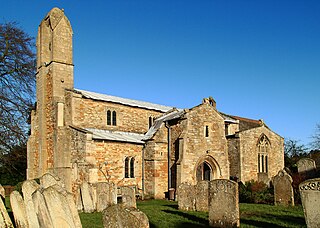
point(174, 114)
point(124, 101)
point(119, 136)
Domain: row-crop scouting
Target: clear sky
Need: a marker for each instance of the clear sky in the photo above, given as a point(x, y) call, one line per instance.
point(257, 59)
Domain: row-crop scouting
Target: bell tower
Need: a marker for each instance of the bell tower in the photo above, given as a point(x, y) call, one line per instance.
point(48, 146)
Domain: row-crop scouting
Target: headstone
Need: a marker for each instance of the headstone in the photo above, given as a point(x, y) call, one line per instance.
point(59, 208)
point(49, 179)
point(283, 191)
point(120, 216)
point(2, 192)
point(41, 210)
point(106, 195)
point(19, 210)
point(5, 220)
point(28, 188)
point(128, 197)
point(223, 203)
point(307, 166)
point(78, 200)
point(87, 200)
point(202, 196)
point(310, 198)
point(186, 197)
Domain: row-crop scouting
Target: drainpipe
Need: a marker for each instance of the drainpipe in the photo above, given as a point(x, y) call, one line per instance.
point(169, 171)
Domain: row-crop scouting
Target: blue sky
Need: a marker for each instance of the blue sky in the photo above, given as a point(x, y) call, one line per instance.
point(257, 59)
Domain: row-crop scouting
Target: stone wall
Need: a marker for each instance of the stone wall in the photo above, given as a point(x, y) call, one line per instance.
point(90, 113)
point(249, 153)
point(197, 146)
point(234, 156)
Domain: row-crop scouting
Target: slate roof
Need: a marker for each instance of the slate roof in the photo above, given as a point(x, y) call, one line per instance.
point(174, 114)
point(119, 136)
point(124, 101)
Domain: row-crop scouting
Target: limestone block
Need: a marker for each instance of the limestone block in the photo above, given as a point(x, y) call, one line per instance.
point(41, 210)
point(5, 220)
point(310, 198)
point(106, 195)
point(128, 197)
point(283, 191)
point(87, 200)
point(2, 192)
point(59, 208)
point(202, 196)
point(28, 188)
point(119, 216)
point(19, 210)
point(186, 197)
point(223, 203)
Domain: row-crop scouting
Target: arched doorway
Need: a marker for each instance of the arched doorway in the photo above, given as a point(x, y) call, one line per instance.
point(207, 169)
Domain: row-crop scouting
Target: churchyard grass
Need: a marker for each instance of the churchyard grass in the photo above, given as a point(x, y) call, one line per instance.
point(163, 213)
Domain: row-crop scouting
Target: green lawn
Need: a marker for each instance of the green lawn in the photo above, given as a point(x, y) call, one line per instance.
point(163, 213)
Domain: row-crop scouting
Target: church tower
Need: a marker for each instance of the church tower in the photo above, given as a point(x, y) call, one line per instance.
point(48, 143)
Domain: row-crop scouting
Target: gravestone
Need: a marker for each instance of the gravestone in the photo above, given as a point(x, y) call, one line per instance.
point(106, 195)
point(128, 197)
point(223, 203)
point(5, 220)
point(202, 196)
point(310, 198)
point(186, 197)
point(41, 209)
point(28, 188)
point(19, 210)
point(59, 207)
point(283, 191)
point(2, 192)
point(49, 179)
point(307, 166)
point(87, 198)
point(120, 216)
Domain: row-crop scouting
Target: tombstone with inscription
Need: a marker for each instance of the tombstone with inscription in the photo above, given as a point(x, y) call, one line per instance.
point(307, 166)
point(186, 197)
point(128, 197)
point(310, 198)
point(19, 210)
point(283, 191)
point(106, 195)
point(223, 203)
point(201, 196)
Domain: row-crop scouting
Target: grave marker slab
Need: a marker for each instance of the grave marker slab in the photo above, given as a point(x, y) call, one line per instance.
point(223, 203)
point(19, 210)
point(283, 191)
point(202, 196)
point(186, 197)
point(310, 198)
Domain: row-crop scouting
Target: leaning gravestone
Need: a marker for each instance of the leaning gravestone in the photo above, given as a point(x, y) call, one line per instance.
point(28, 188)
point(2, 192)
point(120, 216)
point(87, 198)
point(310, 198)
point(128, 197)
point(186, 197)
point(106, 195)
point(283, 191)
point(223, 203)
point(19, 210)
point(307, 166)
point(5, 220)
point(202, 195)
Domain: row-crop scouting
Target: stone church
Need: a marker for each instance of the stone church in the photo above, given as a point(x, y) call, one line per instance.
point(86, 136)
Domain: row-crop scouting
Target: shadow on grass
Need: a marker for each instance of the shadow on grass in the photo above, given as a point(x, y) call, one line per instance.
point(174, 206)
point(203, 222)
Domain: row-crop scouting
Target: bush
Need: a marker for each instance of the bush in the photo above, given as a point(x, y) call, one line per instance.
point(255, 192)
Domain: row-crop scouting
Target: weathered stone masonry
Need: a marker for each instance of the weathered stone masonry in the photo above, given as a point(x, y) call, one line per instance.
point(84, 136)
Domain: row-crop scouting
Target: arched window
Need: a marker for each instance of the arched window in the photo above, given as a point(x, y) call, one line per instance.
point(126, 167)
point(108, 117)
point(114, 118)
point(263, 150)
point(204, 172)
point(129, 167)
point(132, 167)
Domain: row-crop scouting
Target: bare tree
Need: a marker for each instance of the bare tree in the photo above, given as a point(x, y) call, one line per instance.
point(17, 85)
point(315, 144)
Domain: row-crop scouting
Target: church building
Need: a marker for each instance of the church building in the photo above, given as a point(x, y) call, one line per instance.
point(86, 136)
